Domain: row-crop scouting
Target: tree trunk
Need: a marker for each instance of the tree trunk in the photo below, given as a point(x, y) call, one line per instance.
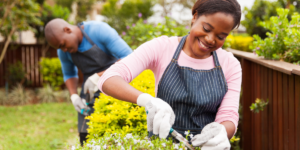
point(7, 43)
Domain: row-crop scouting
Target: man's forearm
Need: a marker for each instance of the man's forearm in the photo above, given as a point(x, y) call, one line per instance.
point(72, 84)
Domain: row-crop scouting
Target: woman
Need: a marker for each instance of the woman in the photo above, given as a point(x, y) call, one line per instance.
point(196, 80)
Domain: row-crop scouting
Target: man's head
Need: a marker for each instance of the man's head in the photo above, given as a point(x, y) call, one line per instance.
point(60, 34)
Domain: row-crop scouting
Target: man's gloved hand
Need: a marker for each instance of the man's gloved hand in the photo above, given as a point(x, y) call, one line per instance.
point(160, 115)
point(78, 102)
point(212, 137)
point(90, 85)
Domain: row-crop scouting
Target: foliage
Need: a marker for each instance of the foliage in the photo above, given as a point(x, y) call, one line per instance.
point(17, 15)
point(47, 94)
point(19, 96)
point(239, 42)
point(83, 7)
point(129, 12)
point(129, 141)
point(259, 105)
point(3, 97)
point(47, 126)
point(142, 32)
point(15, 73)
point(115, 116)
point(48, 13)
point(262, 11)
point(282, 43)
point(51, 72)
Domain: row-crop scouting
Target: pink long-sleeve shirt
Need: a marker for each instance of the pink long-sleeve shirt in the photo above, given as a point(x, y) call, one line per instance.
point(156, 56)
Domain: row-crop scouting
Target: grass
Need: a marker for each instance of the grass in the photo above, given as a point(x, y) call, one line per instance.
point(44, 126)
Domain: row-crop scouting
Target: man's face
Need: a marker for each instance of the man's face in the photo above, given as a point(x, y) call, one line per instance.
point(66, 40)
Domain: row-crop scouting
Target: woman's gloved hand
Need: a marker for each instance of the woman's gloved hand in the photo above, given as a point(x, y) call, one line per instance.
point(90, 85)
point(212, 137)
point(160, 115)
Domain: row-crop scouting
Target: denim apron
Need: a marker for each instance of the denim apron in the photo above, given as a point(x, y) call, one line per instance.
point(89, 62)
point(194, 95)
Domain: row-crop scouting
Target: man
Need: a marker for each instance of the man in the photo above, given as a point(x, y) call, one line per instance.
point(92, 47)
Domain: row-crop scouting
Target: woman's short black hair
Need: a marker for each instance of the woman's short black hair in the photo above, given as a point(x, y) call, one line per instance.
point(232, 7)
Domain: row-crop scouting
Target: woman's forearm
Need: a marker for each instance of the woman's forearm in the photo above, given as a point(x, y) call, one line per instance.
point(230, 128)
point(118, 88)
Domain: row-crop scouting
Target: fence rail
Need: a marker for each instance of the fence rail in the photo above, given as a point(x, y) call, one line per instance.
point(276, 127)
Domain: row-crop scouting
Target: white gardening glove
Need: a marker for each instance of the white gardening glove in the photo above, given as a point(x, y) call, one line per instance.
point(160, 115)
point(78, 102)
point(212, 137)
point(90, 85)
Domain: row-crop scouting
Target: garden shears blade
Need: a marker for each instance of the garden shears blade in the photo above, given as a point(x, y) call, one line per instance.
point(180, 138)
point(85, 111)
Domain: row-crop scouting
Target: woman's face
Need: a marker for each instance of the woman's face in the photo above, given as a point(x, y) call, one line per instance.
point(207, 34)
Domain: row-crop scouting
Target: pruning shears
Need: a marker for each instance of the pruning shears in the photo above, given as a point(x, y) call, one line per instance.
point(85, 111)
point(180, 138)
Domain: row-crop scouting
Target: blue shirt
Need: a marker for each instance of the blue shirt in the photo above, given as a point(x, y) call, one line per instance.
point(104, 36)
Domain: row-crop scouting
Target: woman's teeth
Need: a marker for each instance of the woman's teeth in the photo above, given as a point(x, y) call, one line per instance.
point(203, 45)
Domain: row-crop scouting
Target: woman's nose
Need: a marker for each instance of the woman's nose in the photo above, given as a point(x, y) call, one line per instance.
point(210, 39)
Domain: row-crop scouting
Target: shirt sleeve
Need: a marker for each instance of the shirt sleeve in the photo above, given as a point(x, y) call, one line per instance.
point(146, 56)
point(116, 46)
point(228, 110)
point(68, 67)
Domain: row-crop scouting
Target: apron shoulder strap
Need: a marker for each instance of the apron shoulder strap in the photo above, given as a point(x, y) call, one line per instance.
point(179, 48)
point(84, 34)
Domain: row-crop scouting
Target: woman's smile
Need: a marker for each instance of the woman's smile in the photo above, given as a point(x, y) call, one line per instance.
point(203, 46)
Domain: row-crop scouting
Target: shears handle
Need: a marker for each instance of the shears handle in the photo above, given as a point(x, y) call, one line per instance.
point(85, 111)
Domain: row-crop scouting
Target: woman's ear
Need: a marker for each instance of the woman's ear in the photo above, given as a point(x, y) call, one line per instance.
point(67, 30)
point(195, 16)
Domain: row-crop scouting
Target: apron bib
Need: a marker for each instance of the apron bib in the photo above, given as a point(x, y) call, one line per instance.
point(89, 62)
point(194, 95)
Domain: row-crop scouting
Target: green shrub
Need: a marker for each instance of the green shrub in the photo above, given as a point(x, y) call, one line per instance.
point(129, 141)
point(115, 116)
point(129, 12)
point(15, 74)
point(47, 94)
point(262, 11)
point(142, 32)
point(283, 41)
point(51, 72)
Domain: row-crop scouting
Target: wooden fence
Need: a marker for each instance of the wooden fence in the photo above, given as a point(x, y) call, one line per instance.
point(278, 126)
point(29, 56)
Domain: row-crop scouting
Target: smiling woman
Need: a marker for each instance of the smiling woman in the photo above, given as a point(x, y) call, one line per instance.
point(197, 82)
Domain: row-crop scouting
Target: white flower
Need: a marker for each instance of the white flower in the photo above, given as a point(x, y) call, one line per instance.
point(128, 136)
point(150, 143)
point(180, 149)
point(97, 147)
point(176, 146)
point(73, 148)
point(122, 148)
point(135, 141)
point(191, 136)
point(104, 146)
point(116, 141)
point(186, 132)
point(119, 144)
point(163, 144)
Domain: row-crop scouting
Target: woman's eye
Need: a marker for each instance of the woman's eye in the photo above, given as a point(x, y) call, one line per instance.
point(205, 29)
point(221, 38)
